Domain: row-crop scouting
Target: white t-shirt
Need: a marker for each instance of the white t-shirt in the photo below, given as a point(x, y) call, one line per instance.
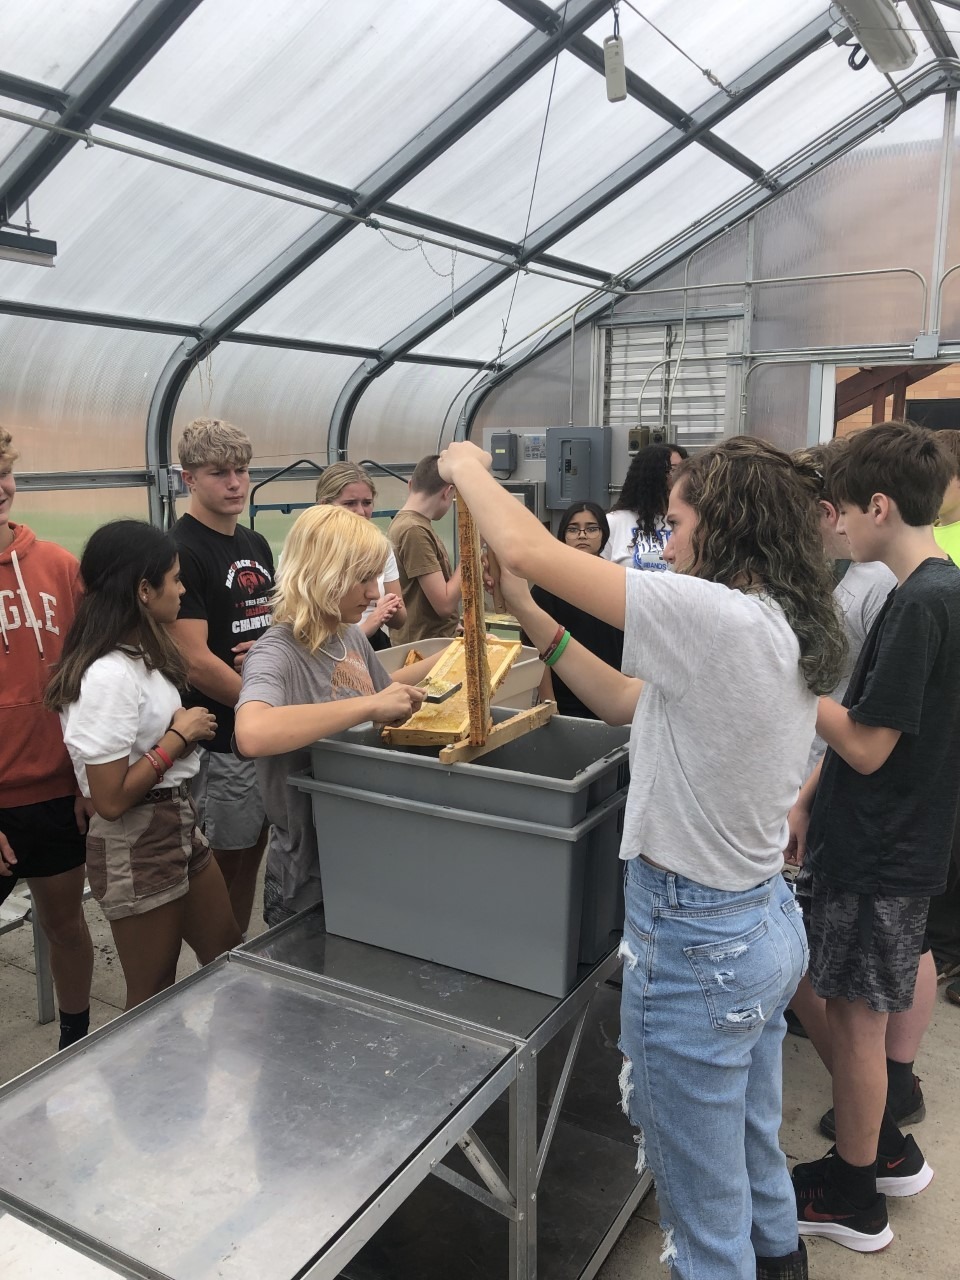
point(721, 732)
point(390, 574)
point(631, 548)
point(122, 711)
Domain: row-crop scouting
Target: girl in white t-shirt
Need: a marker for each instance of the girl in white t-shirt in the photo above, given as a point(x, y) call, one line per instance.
point(346, 484)
point(133, 747)
point(638, 519)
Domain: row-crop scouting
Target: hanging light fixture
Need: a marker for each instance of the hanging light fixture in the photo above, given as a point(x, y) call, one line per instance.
point(877, 27)
point(22, 246)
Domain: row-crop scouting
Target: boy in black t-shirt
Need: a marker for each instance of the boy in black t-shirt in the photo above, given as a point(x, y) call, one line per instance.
point(877, 820)
point(227, 571)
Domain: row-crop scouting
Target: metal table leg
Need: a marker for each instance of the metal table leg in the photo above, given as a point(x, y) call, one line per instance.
point(523, 1167)
point(46, 1005)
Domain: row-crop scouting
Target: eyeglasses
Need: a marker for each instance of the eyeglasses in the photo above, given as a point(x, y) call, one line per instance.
point(582, 531)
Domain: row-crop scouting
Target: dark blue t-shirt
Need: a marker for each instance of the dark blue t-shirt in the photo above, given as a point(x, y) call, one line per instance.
point(890, 833)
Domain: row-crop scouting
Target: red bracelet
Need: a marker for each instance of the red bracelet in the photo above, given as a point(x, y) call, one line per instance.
point(155, 762)
point(552, 645)
point(168, 763)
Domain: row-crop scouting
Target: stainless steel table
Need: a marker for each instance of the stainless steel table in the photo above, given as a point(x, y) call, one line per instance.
point(314, 1107)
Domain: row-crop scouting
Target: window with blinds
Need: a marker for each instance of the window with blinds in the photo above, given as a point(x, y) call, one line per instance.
point(656, 377)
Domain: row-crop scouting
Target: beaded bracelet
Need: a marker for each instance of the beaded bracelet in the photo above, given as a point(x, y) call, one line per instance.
point(167, 762)
point(553, 658)
point(558, 636)
point(155, 761)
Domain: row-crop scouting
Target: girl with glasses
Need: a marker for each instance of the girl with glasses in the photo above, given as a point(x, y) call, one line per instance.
point(584, 527)
point(638, 520)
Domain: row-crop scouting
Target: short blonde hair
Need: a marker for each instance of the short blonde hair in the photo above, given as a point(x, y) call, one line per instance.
point(337, 476)
point(209, 442)
point(327, 551)
point(8, 455)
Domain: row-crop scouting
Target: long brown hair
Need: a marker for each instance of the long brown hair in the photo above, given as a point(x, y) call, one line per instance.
point(117, 558)
point(758, 530)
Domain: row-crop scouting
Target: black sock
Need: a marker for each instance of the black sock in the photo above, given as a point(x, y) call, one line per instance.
point(899, 1081)
point(858, 1183)
point(891, 1140)
point(73, 1027)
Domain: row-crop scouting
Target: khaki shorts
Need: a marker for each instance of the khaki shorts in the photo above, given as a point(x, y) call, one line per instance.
point(145, 858)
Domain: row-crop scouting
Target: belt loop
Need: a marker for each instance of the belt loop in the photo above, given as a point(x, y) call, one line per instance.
point(672, 890)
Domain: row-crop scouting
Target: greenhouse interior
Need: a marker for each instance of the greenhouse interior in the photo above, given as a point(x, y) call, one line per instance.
point(598, 240)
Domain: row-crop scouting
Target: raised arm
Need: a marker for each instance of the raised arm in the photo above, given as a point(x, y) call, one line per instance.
point(265, 730)
point(525, 548)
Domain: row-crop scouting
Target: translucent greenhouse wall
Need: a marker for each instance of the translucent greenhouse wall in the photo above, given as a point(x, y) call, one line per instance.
point(874, 209)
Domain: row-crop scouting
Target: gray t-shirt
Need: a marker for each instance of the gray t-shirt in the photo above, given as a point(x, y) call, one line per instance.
point(860, 595)
point(721, 731)
point(280, 672)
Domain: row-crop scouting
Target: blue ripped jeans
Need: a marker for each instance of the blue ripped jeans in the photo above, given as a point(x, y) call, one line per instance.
point(706, 977)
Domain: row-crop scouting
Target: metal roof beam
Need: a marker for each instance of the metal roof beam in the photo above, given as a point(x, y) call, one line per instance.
point(590, 53)
point(814, 158)
point(534, 52)
point(32, 91)
point(132, 43)
point(786, 56)
point(929, 22)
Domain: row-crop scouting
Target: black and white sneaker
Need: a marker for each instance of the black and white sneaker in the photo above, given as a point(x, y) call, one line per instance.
point(822, 1210)
point(906, 1174)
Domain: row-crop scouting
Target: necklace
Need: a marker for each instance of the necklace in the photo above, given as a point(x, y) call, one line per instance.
point(333, 657)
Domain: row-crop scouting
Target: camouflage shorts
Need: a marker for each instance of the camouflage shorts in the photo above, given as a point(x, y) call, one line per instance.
point(145, 858)
point(863, 946)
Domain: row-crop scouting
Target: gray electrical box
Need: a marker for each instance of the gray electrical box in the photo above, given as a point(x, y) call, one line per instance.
point(503, 450)
point(578, 466)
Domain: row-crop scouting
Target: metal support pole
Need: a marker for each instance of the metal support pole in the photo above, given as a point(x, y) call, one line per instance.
point(46, 1004)
point(523, 1164)
point(943, 209)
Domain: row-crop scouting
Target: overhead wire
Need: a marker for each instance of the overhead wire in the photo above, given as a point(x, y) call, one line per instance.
point(704, 71)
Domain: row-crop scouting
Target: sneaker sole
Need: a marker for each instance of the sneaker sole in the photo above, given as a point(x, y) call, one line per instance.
point(911, 1186)
point(858, 1241)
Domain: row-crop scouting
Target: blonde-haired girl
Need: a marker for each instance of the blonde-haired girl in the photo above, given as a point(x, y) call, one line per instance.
point(346, 484)
point(313, 674)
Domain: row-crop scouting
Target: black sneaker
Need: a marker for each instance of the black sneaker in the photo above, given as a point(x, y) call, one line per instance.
point(911, 1111)
point(822, 1210)
point(906, 1174)
point(794, 1025)
point(791, 1267)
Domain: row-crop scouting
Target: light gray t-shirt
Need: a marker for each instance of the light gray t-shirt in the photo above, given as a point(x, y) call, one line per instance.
point(280, 672)
point(860, 595)
point(721, 731)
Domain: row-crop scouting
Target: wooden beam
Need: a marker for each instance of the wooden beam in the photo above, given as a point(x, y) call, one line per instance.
point(507, 731)
point(878, 412)
point(898, 413)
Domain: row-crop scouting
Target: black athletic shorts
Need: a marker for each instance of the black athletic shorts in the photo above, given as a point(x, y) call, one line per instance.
point(44, 838)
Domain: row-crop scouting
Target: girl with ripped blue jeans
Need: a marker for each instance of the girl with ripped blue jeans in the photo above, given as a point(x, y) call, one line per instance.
point(723, 661)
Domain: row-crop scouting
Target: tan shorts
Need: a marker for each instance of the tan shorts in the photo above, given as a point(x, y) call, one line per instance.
point(145, 858)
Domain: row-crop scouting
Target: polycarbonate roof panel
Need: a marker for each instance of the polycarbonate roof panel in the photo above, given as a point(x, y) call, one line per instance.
point(11, 131)
point(725, 37)
point(140, 239)
point(800, 106)
point(50, 40)
point(363, 290)
point(334, 87)
point(487, 178)
point(399, 416)
point(282, 399)
point(652, 212)
point(75, 396)
point(477, 332)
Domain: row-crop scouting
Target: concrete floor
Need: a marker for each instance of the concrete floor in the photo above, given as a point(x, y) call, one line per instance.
point(925, 1247)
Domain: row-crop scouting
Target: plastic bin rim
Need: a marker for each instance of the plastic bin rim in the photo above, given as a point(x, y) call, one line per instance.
point(303, 782)
point(545, 781)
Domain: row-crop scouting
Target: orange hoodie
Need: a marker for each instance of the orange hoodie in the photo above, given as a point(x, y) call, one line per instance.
point(39, 591)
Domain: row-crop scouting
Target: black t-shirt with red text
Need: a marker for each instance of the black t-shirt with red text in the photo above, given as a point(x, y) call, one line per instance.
point(228, 581)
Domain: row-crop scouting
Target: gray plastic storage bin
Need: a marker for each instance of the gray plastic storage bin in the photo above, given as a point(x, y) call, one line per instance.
point(557, 774)
point(495, 896)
